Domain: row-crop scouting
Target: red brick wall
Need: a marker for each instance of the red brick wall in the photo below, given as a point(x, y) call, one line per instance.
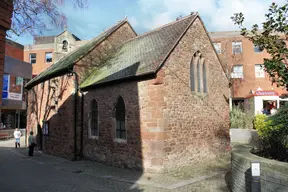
point(60, 141)
point(14, 52)
point(248, 58)
point(6, 8)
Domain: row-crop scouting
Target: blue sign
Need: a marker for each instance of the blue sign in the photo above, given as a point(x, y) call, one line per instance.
point(5, 82)
point(4, 95)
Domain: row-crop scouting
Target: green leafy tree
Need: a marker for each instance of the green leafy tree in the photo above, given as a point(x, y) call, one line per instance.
point(271, 38)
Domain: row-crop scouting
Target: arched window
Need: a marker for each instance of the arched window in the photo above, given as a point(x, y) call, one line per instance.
point(198, 75)
point(65, 45)
point(192, 75)
point(120, 119)
point(94, 129)
point(205, 90)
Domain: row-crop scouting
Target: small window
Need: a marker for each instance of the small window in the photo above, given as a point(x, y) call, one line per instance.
point(192, 75)
point(120, 119)
point(257, 49)
point(19, 81)
point(217, 47)
point(48, 57)
point(205, 90)
point(237, 47)
point(45, 128)
point(65, 46)
point(198, 76)
point(94, 129)
point(259, 71)
point(32, 58)
point(237, 71)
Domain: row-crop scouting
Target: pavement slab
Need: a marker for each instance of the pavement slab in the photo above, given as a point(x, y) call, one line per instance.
point(50, 173)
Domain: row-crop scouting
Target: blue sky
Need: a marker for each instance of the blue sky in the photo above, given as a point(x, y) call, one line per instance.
point(145, 15)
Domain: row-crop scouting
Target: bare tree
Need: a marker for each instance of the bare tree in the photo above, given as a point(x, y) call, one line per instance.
point(35, 16)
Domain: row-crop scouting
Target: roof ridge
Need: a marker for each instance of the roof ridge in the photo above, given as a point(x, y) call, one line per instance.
point(163, 26)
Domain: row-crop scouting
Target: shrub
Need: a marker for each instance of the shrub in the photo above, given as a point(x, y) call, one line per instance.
point(240, 119)
point(273, 132)
point(261, 124)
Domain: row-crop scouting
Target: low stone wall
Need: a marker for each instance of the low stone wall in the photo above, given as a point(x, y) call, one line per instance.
point(10, 132)
point(244, 136)
point(274, 174)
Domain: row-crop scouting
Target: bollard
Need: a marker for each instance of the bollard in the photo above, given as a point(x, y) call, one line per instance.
point(256, 180)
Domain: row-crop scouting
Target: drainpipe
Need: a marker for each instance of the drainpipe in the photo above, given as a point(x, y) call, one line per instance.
point(82, 119)
point(75, 112)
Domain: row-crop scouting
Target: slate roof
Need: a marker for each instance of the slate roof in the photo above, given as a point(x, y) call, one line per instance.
point(141, 55)
point(65, 64)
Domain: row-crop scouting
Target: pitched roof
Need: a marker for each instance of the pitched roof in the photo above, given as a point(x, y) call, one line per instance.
point(65, 64)
point(141, 55)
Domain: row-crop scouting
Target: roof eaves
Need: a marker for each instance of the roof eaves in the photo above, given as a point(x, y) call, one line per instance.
point(149, 75)
point(28, 86)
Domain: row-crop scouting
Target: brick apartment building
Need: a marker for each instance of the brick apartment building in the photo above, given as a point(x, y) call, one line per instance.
point(46, 50)
point(16, 74)
point(155, 101)
point(6, 9)
point(244, 62)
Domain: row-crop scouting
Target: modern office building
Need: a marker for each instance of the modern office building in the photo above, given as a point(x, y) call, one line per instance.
point(244, 63)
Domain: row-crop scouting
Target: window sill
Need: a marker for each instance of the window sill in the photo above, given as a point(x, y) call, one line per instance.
point(117, 140)
point(93, 137)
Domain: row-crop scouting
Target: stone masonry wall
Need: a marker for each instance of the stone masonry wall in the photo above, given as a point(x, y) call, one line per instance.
point(144, 144)
point(197, 123)
point(60, 141)
point(167, 125)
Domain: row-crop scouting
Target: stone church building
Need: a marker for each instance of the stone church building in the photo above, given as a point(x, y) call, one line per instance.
point(154, 102)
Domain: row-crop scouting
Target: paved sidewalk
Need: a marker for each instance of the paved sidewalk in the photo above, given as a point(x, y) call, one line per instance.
point(212, 177)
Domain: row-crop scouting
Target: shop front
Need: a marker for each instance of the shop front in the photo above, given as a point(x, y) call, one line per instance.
point(266, 101)
point(13, 108)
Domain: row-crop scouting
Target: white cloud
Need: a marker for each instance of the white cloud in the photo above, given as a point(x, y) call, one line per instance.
point(215, 13)
point(134, 22)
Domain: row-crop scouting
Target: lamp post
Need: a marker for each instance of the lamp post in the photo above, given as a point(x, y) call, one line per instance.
point(255, 173)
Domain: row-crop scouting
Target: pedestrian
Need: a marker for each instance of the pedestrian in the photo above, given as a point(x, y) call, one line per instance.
point(31, 143)
point(17, 136)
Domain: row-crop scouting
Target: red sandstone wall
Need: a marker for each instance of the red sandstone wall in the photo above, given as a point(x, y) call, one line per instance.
point(144, 103)
point(197, 123)
point(60, 141)
point(167, 125)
